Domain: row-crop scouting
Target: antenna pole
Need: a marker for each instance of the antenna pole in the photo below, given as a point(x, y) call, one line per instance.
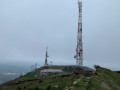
point(79, 49)
point(46, 56)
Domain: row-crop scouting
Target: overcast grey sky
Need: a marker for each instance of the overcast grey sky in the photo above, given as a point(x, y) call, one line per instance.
point(28, 26)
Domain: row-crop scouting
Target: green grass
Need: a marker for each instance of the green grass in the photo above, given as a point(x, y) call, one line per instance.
point(61, 82)
point(110, 78)
point(102, 77)
point(30, 75)
point(81, 85)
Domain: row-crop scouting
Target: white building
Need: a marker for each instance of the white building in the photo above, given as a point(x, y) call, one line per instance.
point(46, 72)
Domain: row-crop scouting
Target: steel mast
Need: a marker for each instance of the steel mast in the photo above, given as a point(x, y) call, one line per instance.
point(46, 56)
point(79, 49)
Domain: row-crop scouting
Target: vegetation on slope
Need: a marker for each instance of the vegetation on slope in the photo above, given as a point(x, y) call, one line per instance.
point(33, 75)
point(45, 83)
point(65, 69)
point(102, 79)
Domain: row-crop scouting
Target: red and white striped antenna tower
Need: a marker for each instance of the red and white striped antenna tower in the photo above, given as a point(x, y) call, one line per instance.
point(46, 56)
point(79, 49)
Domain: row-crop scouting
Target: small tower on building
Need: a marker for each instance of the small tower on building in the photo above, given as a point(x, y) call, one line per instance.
point(46, 56)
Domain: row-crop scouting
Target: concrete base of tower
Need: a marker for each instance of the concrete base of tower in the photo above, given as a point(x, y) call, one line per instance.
point(83, 71)
point(78, 69)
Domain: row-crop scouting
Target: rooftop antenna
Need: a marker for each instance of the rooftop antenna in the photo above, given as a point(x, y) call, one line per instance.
point(46, 56)
point(51, 63)
point(35, 66)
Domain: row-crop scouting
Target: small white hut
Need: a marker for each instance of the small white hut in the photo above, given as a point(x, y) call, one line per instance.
point(46, 72)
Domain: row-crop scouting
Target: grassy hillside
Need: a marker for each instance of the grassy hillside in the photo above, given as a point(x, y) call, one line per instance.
point(102, 79)
point(53, 83)
point(65, 69)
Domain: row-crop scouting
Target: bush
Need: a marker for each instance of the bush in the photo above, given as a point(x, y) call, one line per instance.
point(96, 66)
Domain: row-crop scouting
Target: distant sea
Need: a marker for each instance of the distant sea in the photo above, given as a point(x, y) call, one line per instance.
point(8, 72)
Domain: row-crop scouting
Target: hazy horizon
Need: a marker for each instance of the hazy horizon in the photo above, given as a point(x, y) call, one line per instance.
point(27, 27)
